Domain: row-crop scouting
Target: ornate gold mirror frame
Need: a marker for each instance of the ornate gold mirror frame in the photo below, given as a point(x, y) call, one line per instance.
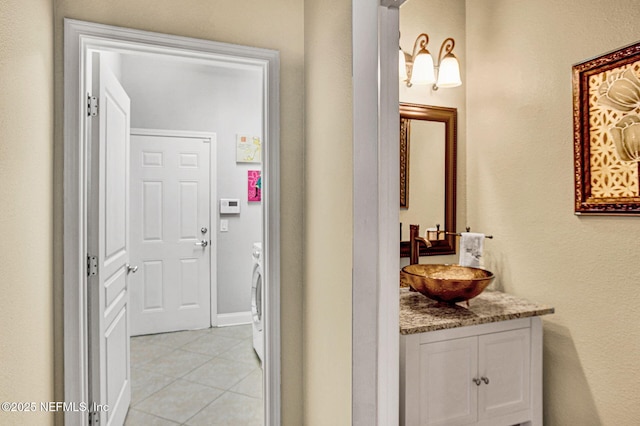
point(448, 116)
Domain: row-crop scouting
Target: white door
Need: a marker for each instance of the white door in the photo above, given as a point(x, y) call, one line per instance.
point(170, 235)
point(108, 245)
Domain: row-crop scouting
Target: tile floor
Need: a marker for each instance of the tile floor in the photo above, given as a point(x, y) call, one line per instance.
point(204, 377)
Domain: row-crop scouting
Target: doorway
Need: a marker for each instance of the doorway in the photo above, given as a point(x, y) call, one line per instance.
point(80, 40)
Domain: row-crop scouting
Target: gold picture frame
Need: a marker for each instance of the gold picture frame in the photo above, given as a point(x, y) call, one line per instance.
point(606, 123)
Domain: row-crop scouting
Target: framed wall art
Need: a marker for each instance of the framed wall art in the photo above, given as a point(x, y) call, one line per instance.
point(248, 149)
point(254, 185)
point(606, 124)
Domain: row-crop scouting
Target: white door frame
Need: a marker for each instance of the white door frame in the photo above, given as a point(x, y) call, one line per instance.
point(376, 187)
point(79, 39)
point(213, 197)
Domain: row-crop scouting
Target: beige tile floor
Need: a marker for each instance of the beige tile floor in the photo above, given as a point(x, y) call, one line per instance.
point(205, 377)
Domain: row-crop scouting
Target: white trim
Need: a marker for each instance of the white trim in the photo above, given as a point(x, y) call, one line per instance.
point(76, 377)
point(375, 366)
point(392, 3)
point(536, 370)
point(366, 279)
point(174, 133)
point(213, 197)
point(79, 38)
point(271, 241)
point(389, 217)
point(234, 318)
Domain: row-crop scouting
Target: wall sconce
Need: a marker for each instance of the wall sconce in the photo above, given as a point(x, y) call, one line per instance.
point(418, 68)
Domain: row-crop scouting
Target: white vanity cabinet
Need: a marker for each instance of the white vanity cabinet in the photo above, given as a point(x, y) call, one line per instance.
point(488, 374)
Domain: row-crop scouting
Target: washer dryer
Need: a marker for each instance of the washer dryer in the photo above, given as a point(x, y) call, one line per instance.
point(257, 301)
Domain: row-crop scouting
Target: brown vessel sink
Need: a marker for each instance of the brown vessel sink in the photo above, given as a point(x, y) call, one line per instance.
point(446, 283)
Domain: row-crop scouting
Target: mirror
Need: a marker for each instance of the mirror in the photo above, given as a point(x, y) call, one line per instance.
point(428, 162)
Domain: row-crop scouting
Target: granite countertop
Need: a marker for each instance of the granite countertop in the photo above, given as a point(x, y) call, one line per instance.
point(419, 314)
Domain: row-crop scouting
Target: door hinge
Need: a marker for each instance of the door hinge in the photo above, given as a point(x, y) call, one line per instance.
point(94, 418)
point(92, 265)
point(92, 106)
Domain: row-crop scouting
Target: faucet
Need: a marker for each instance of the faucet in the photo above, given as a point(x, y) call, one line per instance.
point(416, 239)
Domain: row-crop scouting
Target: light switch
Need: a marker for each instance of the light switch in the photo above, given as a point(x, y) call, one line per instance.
point(224, 225)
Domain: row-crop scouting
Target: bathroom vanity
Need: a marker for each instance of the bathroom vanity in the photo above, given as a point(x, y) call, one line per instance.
point(476, 365)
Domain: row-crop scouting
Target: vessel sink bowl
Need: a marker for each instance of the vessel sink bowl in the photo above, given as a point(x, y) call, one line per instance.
point(446, 283)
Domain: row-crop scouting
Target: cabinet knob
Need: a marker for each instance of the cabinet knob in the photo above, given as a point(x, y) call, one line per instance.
point(485, 380)
point(477, 381)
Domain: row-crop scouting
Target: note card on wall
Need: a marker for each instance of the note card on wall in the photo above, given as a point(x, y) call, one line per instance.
point(248, 149)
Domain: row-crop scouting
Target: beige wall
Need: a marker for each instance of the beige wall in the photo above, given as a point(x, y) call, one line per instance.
point(520, 188)
point(275, 25)
point(328, 213)
point(26, 141)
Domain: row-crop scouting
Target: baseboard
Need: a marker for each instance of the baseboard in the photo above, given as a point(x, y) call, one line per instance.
point(234, 318)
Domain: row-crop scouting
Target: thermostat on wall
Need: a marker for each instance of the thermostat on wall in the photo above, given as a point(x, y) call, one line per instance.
point(229, 206)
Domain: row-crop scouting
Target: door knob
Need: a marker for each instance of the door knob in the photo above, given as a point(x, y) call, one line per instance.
point(131, 269)
point(202, 243)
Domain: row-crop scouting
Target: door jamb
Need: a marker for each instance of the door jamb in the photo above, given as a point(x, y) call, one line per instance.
point(375, 338)
point(79, 38)
point(213, 197)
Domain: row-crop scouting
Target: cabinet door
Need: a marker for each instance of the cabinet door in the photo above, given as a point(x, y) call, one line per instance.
point(504, 360)
point(447, 393)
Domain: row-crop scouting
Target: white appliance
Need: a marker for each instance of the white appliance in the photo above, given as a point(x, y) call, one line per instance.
point(257, 301)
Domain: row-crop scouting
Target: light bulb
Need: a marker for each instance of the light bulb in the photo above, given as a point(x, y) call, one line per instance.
point(423, 69)
point(449, 72)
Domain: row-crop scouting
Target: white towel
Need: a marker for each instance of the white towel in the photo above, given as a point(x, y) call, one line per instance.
point(471, 246)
